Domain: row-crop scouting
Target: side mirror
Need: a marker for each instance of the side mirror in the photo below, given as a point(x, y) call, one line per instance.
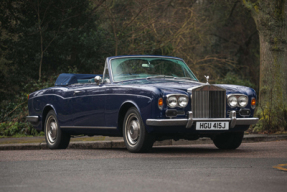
point(107, 80)
point(98, 80)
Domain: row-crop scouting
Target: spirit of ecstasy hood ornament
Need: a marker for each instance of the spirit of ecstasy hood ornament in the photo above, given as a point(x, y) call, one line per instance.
point(207, 77)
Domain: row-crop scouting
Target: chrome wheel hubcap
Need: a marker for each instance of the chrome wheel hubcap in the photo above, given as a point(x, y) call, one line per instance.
point(51, 130)
point(132, 129)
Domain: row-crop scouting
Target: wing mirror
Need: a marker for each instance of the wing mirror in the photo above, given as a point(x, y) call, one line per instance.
point(98, 80)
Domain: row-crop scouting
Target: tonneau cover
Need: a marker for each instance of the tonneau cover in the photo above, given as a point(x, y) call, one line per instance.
point(65, 79)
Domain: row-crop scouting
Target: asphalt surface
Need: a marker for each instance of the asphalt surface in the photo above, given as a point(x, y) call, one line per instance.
point(199, 167)
point(101, 142)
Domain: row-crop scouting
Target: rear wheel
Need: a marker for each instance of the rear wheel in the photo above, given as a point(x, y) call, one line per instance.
point(136, 138)
point(228, 140)
point(55, 137)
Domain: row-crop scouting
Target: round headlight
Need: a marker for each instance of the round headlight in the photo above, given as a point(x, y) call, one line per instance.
point(172, 102)
point(232, 101)
point(182, 101)
point(242, 101)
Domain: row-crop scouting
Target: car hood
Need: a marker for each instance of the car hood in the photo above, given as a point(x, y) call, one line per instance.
point(168, 86)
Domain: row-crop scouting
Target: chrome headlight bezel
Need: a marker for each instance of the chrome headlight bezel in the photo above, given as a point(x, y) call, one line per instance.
point(182, 101)
point(232, 101)
point(174, 101)
point(242, 103)
point(177, 98)
point(237, 103)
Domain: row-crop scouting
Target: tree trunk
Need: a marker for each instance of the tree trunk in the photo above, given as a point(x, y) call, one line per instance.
point(272, 70)
point(270, 21)
point(42, 53)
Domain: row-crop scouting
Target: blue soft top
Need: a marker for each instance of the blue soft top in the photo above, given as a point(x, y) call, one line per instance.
point(68, 78)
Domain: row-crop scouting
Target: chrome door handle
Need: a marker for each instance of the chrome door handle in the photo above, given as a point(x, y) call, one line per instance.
point(75, 92)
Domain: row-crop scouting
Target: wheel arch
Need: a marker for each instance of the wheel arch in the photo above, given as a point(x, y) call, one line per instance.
point(122, 112)
point(46, 110)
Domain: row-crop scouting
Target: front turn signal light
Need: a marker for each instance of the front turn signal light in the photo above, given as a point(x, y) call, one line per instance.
point(160, 103)
point(253, 103)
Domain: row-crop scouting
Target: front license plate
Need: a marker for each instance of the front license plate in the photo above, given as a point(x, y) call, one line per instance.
point(212, 125)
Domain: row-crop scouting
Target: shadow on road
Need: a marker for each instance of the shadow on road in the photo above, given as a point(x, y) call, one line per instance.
point(192, 150)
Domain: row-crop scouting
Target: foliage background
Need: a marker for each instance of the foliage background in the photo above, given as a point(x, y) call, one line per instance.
point(40, 39)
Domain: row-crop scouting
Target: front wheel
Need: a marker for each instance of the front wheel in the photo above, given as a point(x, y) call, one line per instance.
point(55, 137)
point(136, 138)
point(228, 140)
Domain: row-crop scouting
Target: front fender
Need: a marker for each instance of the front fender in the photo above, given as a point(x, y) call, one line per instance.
point(131, 102)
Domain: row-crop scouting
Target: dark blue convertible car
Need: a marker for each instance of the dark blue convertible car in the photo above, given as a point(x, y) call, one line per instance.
point(144, 99)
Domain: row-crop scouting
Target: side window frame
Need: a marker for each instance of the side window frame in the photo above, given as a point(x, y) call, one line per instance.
point(106, 73)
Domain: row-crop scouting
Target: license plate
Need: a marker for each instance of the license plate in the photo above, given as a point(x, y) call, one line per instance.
point(212, 125)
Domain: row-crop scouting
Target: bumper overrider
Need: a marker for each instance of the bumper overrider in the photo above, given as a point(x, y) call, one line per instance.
point(233, 121)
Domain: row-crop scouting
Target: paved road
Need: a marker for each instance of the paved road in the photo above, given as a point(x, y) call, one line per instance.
point(180, 168)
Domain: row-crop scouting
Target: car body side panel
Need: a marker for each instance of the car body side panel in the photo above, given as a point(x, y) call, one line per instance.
point(88, 103)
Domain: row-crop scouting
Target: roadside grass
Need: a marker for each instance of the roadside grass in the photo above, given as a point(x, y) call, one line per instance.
point(41, 139)
point(18, 135)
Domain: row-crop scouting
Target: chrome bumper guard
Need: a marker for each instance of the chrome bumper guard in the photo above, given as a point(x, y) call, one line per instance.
point(32, 119)
point(188, 122)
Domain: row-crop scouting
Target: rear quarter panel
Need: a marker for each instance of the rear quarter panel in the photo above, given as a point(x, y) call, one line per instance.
point(53, 98)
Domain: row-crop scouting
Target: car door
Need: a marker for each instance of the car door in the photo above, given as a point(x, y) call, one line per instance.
point(88, 103)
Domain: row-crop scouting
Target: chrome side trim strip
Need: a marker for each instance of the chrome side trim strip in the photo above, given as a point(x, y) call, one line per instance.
point(95, 95)
point(87, 127)
point(33, 119)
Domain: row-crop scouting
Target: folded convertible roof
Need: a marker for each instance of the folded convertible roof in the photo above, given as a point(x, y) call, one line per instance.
point(65, 79)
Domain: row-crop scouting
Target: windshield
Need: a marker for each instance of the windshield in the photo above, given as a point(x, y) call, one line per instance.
point(149, 67)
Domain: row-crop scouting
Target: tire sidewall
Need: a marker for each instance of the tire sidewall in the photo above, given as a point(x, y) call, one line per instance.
point(56, 144)
point(138, 146)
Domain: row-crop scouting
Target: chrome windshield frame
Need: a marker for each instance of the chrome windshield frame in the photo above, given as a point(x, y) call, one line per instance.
point(141, 56)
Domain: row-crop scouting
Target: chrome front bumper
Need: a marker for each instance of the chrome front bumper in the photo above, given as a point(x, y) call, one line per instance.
point(32, 119)
point(189, 122)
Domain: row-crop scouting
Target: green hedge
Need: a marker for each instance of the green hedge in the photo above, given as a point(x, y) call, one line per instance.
point(18, 129)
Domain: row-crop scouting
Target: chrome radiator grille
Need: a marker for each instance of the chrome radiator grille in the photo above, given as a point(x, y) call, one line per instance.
point(209, 102)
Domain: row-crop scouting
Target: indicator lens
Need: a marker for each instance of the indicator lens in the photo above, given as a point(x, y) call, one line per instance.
point(253, 103)
point(160, 103)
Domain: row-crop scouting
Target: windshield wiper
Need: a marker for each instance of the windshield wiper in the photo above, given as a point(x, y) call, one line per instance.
point(161, 76)
point(168, 76)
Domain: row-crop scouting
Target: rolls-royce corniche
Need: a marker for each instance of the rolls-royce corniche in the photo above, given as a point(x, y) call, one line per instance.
point(144, 99)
